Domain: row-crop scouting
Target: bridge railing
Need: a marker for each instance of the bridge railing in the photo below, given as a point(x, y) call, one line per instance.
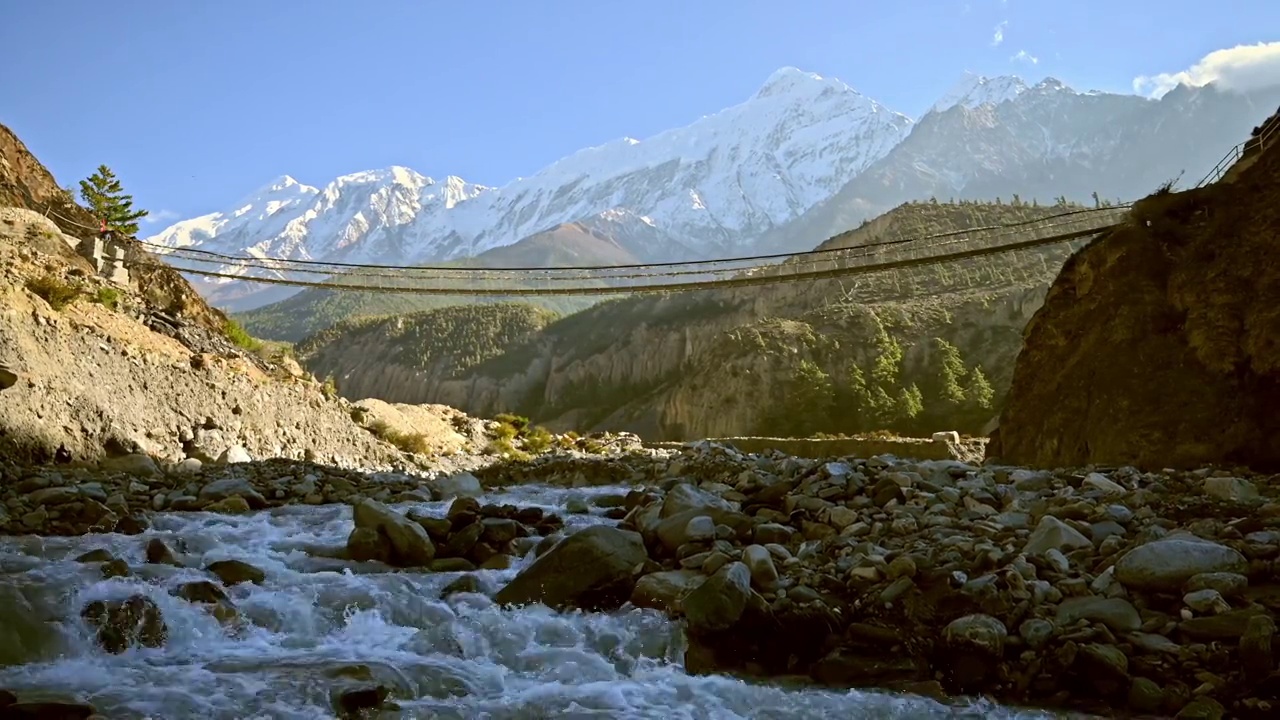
point(1267, 136)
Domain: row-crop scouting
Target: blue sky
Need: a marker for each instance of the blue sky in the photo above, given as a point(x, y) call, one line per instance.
point(197, 103)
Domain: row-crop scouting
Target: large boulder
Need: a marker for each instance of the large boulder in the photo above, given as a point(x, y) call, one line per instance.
point(1165, 565)
point(593, 569)
point(407, 543)
point(458, 485)
point(717, 604)
point(1185, 370)
point(25, 635)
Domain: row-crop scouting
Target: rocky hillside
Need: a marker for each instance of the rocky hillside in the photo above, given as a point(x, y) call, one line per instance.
point(91, 370)
point(913, 350)
point(26, 183)
point(1186, 367)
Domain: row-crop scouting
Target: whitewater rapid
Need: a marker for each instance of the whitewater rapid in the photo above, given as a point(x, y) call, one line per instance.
point(312, 617)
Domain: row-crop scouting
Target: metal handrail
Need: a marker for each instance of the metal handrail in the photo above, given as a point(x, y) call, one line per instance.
point(1237, 152)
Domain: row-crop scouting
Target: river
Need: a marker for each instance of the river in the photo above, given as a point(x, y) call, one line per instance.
point(312, 617)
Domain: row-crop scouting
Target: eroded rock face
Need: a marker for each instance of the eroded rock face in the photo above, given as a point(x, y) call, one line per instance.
point(1156, 346)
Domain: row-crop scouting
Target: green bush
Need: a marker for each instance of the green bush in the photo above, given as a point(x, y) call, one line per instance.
point(502, 446)
point(519, 422)
point(54, 290)
point(538, 440)
point(107, 297)
point(239, 337)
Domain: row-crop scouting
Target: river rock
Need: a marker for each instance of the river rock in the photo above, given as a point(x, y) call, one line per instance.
point(234, 455)
point(234, 505)
point(1053, 534)
point(1164, 565)
point(125, 623)
point(1116, 613)
point(211, 597)
point(234, 572)
point(685, 498)
point(25, 635)
point(1229, 585)
point(718, 603)
point(666, 589)
point(759, 561)
point(592, 569)
point(1106, 485)
point(99, 555)
point(1256, 655)
point(409, 545)
point(136, 464)
point(971, 649)
point(1230, 488)
point(229, 487)
point(159, 554)
point(459, 485)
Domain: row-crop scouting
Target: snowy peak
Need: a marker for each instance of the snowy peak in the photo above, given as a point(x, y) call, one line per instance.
point(976, 90)
point(794, 81)
point(281, 188)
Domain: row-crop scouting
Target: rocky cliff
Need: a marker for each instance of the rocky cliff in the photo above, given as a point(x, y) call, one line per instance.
point(91, 369)
point(1159, 344)
point(722, 362)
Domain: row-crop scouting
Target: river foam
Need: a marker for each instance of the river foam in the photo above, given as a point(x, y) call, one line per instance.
point(315, 621)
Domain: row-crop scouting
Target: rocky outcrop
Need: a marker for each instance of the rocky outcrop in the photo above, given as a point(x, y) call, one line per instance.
point(1156, 346)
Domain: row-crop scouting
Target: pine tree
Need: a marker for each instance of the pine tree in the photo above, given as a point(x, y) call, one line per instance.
point(946, 386)
point(978, 394)
point(107, 200)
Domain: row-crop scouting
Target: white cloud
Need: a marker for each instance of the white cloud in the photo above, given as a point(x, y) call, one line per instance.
point(160, 216)
point(1024, 56)
point(998, 37)
point(1243, 68)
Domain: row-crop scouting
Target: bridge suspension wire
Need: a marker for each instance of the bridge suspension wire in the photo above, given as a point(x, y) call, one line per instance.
point(908, 252)
point(430, 271)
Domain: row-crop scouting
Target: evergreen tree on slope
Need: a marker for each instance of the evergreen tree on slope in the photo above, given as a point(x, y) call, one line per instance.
point(107, 200)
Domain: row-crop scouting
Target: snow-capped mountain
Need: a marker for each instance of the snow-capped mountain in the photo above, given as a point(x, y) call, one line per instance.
point(803, 159)
point(977, 90)
point(997, 138)
point(703, 190)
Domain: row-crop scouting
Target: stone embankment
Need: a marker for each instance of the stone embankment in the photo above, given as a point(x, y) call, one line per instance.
point(1104, 589)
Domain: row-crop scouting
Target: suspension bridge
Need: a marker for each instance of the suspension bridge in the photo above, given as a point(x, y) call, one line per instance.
point(823, 263)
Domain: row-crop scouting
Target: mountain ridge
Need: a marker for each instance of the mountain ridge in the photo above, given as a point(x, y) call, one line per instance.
point(803, 159)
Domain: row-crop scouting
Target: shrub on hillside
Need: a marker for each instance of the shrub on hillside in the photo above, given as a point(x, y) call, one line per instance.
point(54, 290)
point(413, 443)
point(107, 297)
point(239, 337)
